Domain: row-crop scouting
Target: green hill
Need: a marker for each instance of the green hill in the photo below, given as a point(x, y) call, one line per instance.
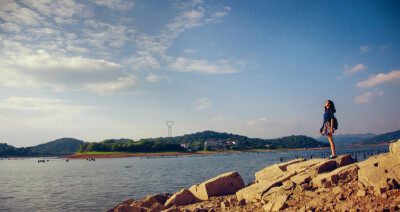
point(347, 139)
point(387, 137)
point(196, 141)
point(62, 146)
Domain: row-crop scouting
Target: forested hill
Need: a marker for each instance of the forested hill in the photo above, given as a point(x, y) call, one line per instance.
point(63, 146)
point(196, 141)
point(387, 137)
point(347, 139)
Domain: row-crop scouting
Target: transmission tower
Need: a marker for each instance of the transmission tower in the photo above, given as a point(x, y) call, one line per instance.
point(169, 124)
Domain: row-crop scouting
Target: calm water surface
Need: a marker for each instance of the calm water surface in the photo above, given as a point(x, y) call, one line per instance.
point(80, 185)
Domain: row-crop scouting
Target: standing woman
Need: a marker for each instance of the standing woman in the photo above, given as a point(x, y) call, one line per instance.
point(327, 127)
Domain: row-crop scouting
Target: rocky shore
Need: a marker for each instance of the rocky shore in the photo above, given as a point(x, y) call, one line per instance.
point(339, 184)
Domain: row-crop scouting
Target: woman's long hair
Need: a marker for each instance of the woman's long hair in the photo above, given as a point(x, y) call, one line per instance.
point(332, 108)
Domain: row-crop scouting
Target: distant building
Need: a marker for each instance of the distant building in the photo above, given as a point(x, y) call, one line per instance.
point(213, 143)
point(185, 145)
point(232, 142)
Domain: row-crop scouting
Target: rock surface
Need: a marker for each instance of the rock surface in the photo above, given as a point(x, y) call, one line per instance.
point(298, 185)
point(224, 184)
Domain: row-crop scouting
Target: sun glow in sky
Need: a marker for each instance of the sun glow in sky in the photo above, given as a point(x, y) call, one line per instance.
point(103, 69)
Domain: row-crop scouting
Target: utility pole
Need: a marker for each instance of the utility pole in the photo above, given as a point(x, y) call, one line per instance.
point(169, 124)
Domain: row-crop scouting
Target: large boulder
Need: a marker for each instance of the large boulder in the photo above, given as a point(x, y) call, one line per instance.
point(129, 208)
point(126, 202)
point(380, 179)
point(340, 175)
point(301, 178)
point(255, 192)
point(149, 201)
point(224, 184)
point(395, 150)
point(182, 197)
point(304, 165)
point(157, 207)
point(374, 160)
point(275, 199)
point(162, 198)
point(275, 171)
point(324, 166)
point(343, 160)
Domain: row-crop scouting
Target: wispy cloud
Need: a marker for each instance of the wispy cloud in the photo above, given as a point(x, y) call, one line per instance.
point(203, 66)
point(352, 70)
point(153, 78)
point(60, 11)
point(263, 123)
point(366, 97)
point(11, 12)
point(156, 45)
point(142, 61)
point(392, 77)
point(260, 122)
point(41, 52)
point(190, 51)
point(203, 103)
point(26, 68)
point(126, 83)
point(218, 16)
point(41, 104)
point(383, 47)
point(116, 4)
point(218, 119)
point(364, 49)
point(100, 34)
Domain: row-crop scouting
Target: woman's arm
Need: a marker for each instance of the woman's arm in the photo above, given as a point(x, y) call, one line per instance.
point(332, 126)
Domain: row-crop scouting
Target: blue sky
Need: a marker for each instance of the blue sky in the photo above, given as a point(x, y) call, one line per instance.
point(103, 69)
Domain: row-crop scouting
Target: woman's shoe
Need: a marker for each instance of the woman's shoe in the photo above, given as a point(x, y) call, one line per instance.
point(333, 157)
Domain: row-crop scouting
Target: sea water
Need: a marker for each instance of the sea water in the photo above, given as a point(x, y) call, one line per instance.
point(81, 185)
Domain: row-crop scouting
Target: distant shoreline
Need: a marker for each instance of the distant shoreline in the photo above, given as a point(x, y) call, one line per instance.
point(169, 154)
point(125, 155)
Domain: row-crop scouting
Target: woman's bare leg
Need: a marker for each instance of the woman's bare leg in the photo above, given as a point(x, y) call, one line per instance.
point(332, 144)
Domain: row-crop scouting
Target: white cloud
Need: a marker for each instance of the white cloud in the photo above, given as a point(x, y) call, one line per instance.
point(127, 83)
point(62, 11)
point(203, 66)
point(24, 68)
point(218, 119)
point(227, 8)
point(190, 51)
point(216, 17)
point(10, 27)
point(204, 103)
point(350, 71)
point(260, 122)
point(392, 77)
point(41, 105)
point(99, 34)
point(364, 48)
point(383, 47)
point(153, 78)
point(366, 97)
point(11, 12)
point(142, 61)
point(153, 44)
point(116, 4)
point(188, 19)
